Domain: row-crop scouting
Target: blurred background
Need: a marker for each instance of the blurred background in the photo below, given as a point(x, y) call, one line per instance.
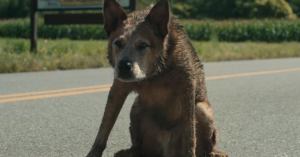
point(220, 29)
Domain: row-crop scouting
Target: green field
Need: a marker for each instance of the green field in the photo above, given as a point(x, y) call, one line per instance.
point(268, 30)
point(51, 55)
point(69, 54)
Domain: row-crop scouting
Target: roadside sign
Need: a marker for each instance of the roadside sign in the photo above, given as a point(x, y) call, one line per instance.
point(59, 16)
point(75, 4)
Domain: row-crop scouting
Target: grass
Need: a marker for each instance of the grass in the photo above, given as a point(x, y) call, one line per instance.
point(67, 54)
point(51, 55)
point(224, 51)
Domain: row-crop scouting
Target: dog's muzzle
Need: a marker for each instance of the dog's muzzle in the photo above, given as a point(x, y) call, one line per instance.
point(125, 69)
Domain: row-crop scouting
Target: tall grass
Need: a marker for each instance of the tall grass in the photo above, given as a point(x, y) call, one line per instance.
point(51, 55)
point(67, 54)
point(228, 51)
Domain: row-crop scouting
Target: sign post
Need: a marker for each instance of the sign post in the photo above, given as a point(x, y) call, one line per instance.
point(60, 6)
point(33, 26)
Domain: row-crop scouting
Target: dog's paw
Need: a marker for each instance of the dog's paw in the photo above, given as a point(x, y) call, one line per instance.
point(218, 154)
point(126, 153)
point(94, 154)
point(123, 153)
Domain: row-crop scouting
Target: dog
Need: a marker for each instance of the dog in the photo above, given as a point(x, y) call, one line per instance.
point(152, 56)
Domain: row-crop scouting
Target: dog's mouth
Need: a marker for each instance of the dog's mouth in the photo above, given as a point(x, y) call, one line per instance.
point(129, 80)
point(125, 75)
point(129, 74)
point(128, 77)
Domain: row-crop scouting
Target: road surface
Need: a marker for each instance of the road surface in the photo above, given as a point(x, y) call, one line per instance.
point(57, 114)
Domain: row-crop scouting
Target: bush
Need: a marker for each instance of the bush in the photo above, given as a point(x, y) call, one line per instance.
point(20, 29)
point(191, 8)
point(264, 9)
point(253, 30)
point(72, 32)
point(14, 8)
point(247, 30)
point(15, 28)
point(221, 9)
point(260, 31)
point(296, 6)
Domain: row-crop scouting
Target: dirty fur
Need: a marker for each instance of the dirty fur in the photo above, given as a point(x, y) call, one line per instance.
point(171, 116)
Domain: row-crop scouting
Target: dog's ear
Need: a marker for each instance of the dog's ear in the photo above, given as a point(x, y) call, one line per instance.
point(113, 15)
point(159, 17)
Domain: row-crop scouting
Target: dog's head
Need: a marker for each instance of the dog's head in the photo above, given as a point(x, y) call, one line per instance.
point(136, 41)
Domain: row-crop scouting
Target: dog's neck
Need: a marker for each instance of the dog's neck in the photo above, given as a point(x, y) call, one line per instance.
point(178, 47)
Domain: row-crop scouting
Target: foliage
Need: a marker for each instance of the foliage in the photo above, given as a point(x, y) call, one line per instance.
point(264, 8)
point(19, 29)
point(241, 30)
point(14, 8)
point(296, 6)
point(65, 54)
point(221, 9)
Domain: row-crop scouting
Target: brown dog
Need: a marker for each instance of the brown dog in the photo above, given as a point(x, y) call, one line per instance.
point(152, 56)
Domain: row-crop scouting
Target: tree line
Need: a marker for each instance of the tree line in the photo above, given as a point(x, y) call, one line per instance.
point(216, 9)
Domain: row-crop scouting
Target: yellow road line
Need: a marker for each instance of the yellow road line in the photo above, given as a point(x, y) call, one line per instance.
point(248, 74)
point(54, 91)
point(51, 95)
point(104, 88)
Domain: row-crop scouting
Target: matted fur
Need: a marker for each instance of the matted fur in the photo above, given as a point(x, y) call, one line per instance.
point(171, 116)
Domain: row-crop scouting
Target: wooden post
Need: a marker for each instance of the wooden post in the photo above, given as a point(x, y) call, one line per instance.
point(33, 26)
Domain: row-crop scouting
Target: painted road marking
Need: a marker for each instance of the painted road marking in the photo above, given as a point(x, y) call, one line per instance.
point(54, 91)
point(105, 88)
point(51, 94)
point(248, 74)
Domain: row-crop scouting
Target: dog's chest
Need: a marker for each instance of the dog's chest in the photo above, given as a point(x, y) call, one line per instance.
point(156, 95)
point(161, 102)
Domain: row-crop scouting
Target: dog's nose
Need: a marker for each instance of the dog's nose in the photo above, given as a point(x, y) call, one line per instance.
point(125, 68)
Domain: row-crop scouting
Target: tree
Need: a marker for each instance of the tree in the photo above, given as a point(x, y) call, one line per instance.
point(296, 6)
point(14, 8)
point(234, 8)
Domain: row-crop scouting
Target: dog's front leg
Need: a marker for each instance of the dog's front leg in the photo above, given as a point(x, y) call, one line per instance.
point(117, 95)
point(189, 129)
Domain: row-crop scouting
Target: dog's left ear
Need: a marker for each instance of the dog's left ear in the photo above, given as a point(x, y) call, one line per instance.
point(159, 17)
point(113, 15)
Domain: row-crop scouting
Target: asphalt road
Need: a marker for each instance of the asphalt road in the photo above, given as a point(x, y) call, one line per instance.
point(256, 103)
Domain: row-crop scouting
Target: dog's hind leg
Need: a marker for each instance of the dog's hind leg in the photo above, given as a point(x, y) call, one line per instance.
point(206, 132)
point(135, 117)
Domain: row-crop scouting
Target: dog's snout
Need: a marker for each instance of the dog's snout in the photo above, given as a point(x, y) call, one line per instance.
point(125, 65)
point(125, 68)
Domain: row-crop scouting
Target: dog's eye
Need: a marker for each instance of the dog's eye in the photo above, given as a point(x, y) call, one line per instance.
point(142, 46)
point(119, 44)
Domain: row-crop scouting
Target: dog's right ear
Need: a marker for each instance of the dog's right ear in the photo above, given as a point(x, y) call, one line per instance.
point(113, 15)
